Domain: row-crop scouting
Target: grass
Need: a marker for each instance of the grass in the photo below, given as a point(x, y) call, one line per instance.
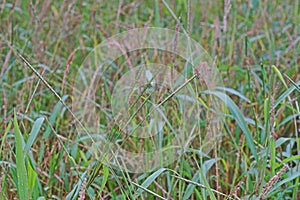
point(44, 154)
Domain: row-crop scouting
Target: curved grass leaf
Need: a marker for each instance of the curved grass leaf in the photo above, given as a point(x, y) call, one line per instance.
point(285, 94)
point(190, 188)
point(292, 158)
point(149, 191)
point(34, 132)
point(234, 92)
point(54, 115)
point(238, 116)
point(148, 181)
point(292, 82)
point(76, 188)
point(284, 181)
point(279, 75)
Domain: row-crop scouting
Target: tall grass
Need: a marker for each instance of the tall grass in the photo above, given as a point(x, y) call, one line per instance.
point(255, 46)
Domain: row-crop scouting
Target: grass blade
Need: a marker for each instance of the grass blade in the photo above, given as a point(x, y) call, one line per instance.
point(285, 94)
point(148, 181)
point(147, 190)
point(240, 119)
point(34, 133)
point(4, 137)
point(234, 92)
point(31, 178)
point(202, 186)
point(20, 162)
point(76, 188)
point(105, 177)
point(279, 75)
point(284, 181)
point(293, 83)
point(54, 115)
point(190, 188)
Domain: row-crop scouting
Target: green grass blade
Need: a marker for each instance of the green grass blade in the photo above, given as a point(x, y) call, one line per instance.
point(292, 158)
point(149, 191)
point(3, 138)
point(240, 119)
point(20, 163)
point(34, 133)
point(76, 188)
point(190, 188)
point(202, 186)
point(293, 83)
point(266, 118)
point(105, 177)
point(284, 181)
point(208, 188)
point(53, 116)
point(273, 155)
point(286, 94)
point(234, 92)
point(31, 178)
point(148, 181)
point(280, 141)
point(279, 75)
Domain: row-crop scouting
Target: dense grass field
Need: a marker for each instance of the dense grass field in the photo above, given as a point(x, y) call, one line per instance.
point(47, 143)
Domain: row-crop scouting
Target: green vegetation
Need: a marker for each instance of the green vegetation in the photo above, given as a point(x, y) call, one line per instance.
point(256, 48)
